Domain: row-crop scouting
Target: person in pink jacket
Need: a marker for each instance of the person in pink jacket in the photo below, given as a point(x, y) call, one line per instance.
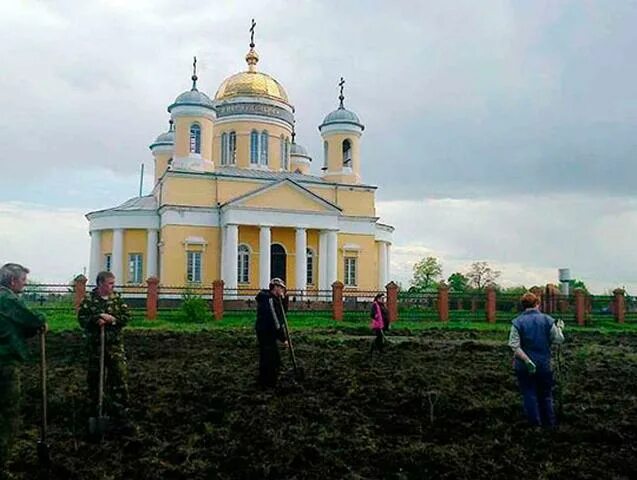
point(379, 324)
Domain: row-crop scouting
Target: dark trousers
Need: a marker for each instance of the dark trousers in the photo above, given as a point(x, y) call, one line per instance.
point(269, 361)
point(9, 411)
point(537, 395)
point(379, 341)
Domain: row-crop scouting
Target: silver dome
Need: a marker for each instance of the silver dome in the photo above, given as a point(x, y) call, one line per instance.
point(342, 115)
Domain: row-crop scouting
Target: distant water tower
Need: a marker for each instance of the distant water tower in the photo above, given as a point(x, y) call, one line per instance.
point(565, 279)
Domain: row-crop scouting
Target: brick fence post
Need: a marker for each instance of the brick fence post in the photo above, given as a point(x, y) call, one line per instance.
point(79, 287)
point(443, 302)
point(491, 312)
point(392, 301)
point(620, 305)
point(580, 306)
point(337, 300)
point(217, 299)
point(152, 297)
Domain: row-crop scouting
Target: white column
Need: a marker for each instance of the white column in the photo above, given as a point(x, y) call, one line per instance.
point(230, 253)
point(382, 265)
point(95, 260)
point(151, 252)
point(265, 240)
point(117, 256)
point(388, 267)
point(301, 259)
point(332, 257)
point(322, 257)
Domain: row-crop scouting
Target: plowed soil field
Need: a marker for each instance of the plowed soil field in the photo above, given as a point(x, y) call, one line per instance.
point(440, 405)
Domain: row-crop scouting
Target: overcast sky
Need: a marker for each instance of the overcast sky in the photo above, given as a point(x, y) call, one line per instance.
point(501, 131)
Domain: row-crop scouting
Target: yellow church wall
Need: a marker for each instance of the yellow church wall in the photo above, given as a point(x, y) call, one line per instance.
point(196, 191)
point(161, 164)
point(173, 254)
point(335, 151)
point(134, 242)
point(356, 202)
point(249, 235)
point(229, 189)
point(285, 197)
point(106, 241)
point(182, 136)
point(243, 129)
point(367, 274)
point(327, 193)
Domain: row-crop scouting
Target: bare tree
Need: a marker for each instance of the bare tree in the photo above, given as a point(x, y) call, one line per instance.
point(481, 275)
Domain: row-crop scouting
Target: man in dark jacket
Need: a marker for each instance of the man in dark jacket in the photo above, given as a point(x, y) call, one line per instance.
point(17, 323)
point(270, 329)
point(103, 307)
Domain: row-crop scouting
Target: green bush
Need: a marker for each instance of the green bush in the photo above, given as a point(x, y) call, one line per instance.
point(194, 309)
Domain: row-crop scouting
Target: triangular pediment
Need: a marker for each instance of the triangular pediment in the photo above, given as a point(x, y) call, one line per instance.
point(284, 195)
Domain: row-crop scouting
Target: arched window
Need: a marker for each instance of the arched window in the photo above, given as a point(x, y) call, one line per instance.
point(243, 264)
point(347, 153)
point(254, 147)
point(310, 267)
point(195, 138)
point(232, 148)
point(224, 148)
point(263, 160)
point(282, 151)
point(325, 149)
point(287, 154)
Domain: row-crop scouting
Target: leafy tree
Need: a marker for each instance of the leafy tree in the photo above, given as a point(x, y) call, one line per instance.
point(481, 275)
point(574, 283)
point(517, 290)
point(426, 272)
point(458, 282)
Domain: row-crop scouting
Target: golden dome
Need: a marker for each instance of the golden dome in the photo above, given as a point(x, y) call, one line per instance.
point(251, 83)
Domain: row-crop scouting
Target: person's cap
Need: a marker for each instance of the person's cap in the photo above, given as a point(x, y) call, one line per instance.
point(277, 282)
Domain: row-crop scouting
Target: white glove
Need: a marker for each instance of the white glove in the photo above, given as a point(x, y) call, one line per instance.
point(560, 324)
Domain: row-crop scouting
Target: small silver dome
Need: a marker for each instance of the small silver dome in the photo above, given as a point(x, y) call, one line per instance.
point(342, 115)
point(299, 150)
point(192, 98)
point(166, 138)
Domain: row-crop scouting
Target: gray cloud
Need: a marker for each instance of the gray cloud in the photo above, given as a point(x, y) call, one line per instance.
point(462, 100)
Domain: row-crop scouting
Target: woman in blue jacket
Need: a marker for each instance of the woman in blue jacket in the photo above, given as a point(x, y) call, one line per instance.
point(531, 336)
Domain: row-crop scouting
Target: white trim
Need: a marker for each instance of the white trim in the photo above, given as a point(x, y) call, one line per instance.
point(351, 247)
point(341, 128)
point(243, 117)
point(194, 240)
point(189, 217)
point(279, 218)
point(157, 149)
point(300, 160)
point(383, 234)
point(130, 220)
point(192, 111)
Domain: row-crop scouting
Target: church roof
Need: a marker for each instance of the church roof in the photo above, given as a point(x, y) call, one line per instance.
point(135, 204)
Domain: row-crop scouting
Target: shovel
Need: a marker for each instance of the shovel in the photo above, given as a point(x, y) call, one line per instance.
point(97, 425)
point(299, 371)
point(43, 447)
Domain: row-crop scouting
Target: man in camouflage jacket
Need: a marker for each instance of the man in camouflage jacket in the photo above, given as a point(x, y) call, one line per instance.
point(104, 307)
point(17, 323)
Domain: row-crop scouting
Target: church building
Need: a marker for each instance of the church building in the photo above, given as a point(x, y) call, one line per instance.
point(235, 198)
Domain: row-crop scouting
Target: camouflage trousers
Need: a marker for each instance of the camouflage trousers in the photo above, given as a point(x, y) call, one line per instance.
point(9, 410)
point(116, 398)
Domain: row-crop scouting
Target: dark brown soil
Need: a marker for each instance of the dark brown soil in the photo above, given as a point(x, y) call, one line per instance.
point(200, 415)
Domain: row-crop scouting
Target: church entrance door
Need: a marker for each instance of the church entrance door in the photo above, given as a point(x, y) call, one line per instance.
point(278, 261)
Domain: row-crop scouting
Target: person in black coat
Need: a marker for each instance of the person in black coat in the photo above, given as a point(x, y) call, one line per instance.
point(270, 330)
